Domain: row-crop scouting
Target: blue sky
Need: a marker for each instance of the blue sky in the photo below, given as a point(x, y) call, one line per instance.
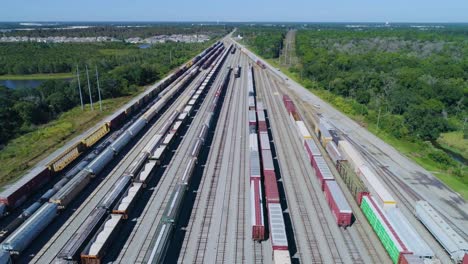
point(236, 10)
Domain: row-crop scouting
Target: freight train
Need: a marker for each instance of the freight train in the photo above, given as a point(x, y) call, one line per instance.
point(261, 164)
point(18, 192)
point(402, 242)
point(19, 240)
point(160, 242)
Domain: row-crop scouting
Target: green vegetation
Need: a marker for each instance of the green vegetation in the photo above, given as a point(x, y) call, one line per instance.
point(142, 30)
point(38, 76)
point(267, 42)
point(35, 122)
point(122, 68)
point(454, 142)
point(23, 152)
point(407, 86)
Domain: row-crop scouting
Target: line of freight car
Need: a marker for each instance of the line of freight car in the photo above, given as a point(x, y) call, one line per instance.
point(17, 193)
point(256, 194)
point(159, 245)
point(57, 186)
point(97, 246)
point(277, 226)
point(400, 240)
point(451, 241)
point(117, 203)
point(161, 240)
point(391, 216)
point(334, 196)
point(110, 123)
point(73, 187)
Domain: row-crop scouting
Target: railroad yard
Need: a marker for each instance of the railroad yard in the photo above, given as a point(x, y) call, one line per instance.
point(227, 161)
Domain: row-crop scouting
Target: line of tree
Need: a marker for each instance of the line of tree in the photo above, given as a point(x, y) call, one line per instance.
point(265, 41)
point(121, 32)
point(414, 85)
point(122, 67)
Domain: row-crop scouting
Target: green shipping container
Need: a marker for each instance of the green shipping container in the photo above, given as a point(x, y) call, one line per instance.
point(387, 239)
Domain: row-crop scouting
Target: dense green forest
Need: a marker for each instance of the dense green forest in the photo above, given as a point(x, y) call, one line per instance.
point(122, 67)
point(265, 41)
point(416, 81)
point(409, 84)
point(117, 31)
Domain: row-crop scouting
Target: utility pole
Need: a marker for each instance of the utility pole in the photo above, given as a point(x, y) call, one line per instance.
point(378, 119)
point(89, 88)
point(98, 89)
point(79, 87)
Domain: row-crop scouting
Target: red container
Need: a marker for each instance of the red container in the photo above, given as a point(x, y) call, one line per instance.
point(465, 259)
point(262, 127)
point(18, 193)
point(117, 120)
point(359, 196)
point(338, 204)
point(271, 186)
point(256, 208)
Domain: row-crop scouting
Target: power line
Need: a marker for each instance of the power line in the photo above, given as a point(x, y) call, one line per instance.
point(79, 87)
point(89, 88)
point(99, 90)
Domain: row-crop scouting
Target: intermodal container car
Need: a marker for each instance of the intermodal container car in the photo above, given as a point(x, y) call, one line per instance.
point(256, 210)
point(302, 129)
point(388, 237)
point(376, 188)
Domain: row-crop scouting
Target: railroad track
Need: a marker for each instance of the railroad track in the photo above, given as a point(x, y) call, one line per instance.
point(336, 251)
point(58, 240)
point(403, 191)
point(207, 210)
point(235, 171)
point(135, 249)
point(201, 213)
point(371, 247)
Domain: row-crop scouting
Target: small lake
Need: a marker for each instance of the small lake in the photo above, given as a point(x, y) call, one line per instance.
point(18, 84)
point(144, 46)
point(25, 84)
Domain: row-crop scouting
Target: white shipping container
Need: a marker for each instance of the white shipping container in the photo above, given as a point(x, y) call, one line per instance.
point(303, 131)
point(281, 257)
point(264, 141)
point(376, 188)
point(407, 234)
point(333, 152)
point(253, 142)
point(277, 226)
point(351, 154)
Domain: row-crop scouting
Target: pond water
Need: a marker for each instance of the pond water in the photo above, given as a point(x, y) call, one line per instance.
point(18, 84)
point(24, 84)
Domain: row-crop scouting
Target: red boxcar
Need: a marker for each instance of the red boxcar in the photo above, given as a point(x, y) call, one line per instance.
point(359, 196)
point(116, 120)
point(322, 171)
point(262, 126)
point(409, 258)
point(17, 193)
point(256, 209)
point(271, 186)
point(289, 104)
point(338, 204)
point(312, 150)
